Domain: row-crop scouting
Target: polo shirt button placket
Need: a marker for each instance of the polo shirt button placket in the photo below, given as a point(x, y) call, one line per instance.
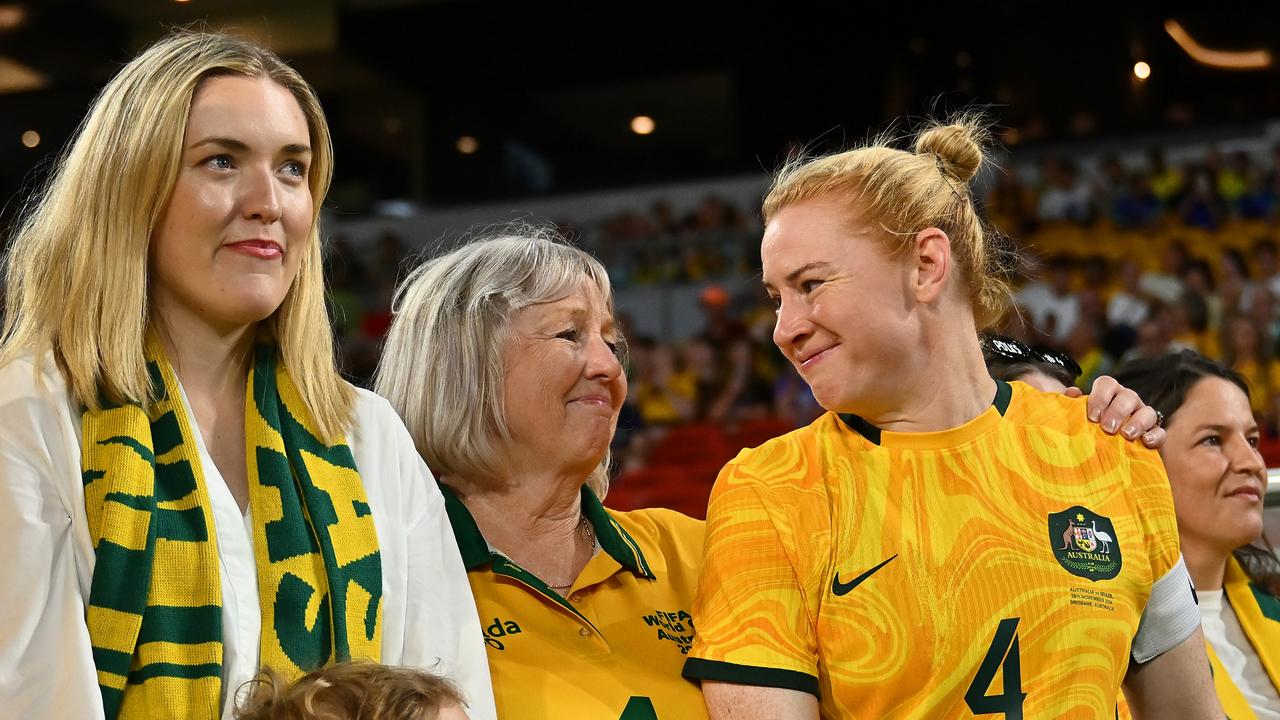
point(584, 632)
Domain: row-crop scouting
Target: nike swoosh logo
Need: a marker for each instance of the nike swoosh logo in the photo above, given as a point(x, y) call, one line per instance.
point(840, 588)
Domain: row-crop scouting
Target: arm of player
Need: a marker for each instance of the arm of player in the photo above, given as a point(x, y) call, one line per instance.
point(1119, 409)
point(756, 650)
point(1177, 684)
point(727, 701)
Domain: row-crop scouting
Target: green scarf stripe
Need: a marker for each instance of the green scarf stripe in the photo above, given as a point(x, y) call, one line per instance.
point(123, 579)
point(137, 502)
point(305, 647)
point(183, 525)
point(320, 508)
point(1269, 604)
point(174, 670)
point(112, 661)
point(118, 572)
point(185, 625)
point(166, 433)
point(283, 539)
point(175, 481)
point(158, 385)
point(112, 699)
point(143, 451)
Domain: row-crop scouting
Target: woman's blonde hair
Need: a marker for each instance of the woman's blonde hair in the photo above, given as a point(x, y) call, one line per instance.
point(908, 191)
point(77, 269)
point(356, 690)
point(443, 365)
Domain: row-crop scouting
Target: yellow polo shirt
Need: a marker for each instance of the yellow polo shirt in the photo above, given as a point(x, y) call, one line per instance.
point(612, 646)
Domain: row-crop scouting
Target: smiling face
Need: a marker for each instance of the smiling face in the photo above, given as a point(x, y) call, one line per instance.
point(1217, 475)
point(231, 238)
point(564, 384)
point(843, 306)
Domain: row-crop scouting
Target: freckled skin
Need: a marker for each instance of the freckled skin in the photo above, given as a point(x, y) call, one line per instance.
point(853, 302)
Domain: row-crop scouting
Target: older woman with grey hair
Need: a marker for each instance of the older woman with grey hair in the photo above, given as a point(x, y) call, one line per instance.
point(504, 362)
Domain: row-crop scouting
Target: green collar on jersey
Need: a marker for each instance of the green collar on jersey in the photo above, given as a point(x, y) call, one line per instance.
point(1004, 393)
point(613, 538)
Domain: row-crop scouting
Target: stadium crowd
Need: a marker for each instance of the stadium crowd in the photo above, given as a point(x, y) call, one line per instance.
point(192, 493)
point(1112, 265)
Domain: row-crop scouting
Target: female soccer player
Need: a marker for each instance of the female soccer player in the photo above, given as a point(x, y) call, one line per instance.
point(939, 544)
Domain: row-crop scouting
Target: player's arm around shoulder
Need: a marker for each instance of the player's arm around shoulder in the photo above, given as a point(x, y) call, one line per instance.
point(1174, 684)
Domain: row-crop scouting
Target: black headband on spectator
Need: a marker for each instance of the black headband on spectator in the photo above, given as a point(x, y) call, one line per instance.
point(1008, 349)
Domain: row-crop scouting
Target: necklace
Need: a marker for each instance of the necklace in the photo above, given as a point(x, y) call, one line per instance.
point(590, 535)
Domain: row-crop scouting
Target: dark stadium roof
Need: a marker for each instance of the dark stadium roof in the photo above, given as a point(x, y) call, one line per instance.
point(548, 90)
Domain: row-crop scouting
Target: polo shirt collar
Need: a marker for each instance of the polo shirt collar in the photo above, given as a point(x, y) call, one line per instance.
point(612, 537)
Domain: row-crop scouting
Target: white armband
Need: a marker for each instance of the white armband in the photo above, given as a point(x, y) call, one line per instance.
point(1170, 617)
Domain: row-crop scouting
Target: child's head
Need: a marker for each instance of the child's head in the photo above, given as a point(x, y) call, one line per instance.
point(353, 691)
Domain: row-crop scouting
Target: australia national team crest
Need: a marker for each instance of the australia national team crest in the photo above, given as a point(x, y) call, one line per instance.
point(1085, 543)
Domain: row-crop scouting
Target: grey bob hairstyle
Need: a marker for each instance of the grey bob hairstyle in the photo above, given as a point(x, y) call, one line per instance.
point(443, 364)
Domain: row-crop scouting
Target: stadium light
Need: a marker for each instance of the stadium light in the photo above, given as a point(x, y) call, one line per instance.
point(30, 138)
point(467, 145)
point(1225, 59)
point(11, 16)
point(1141, 70)
point(642, 125)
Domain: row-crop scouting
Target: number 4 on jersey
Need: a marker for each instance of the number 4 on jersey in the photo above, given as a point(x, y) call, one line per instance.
point(1003, 654)
point(639, 708)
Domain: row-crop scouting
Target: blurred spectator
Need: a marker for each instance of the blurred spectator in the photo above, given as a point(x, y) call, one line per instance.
point(1155, 336)
point(1166, 181)
point(1201, 205)
point(1065, 195)
point(1165, 284)
point(1128, 305)
point(664, 394)
point(1264, 261)
point(1244, 354)
point(1051, 305)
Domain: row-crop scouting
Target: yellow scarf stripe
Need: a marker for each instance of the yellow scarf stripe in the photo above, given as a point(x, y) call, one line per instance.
point(1259, 616)
point(159, 651)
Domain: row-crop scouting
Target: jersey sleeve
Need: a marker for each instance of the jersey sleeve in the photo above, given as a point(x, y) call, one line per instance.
point(1170, 615)
point(750, 611)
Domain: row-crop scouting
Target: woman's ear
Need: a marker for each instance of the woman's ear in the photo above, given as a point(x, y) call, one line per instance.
point(931, 264)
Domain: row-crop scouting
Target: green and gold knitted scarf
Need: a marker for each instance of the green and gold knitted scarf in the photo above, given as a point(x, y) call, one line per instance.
point(155, 605)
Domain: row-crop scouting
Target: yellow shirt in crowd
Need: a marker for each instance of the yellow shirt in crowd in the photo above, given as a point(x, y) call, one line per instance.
point(612, 646)
point(999, 569)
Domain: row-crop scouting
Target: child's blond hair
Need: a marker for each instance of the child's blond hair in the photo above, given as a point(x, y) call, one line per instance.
point(349, 691)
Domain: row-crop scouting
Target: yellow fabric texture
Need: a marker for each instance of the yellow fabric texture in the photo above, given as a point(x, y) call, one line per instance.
point(612, 646)
point(954, 596)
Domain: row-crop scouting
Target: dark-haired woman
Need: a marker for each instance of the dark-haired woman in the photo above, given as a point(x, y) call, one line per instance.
point(1219, 481)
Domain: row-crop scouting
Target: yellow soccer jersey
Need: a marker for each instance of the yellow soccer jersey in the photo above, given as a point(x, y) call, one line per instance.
point(998, 569)
point(612, 647)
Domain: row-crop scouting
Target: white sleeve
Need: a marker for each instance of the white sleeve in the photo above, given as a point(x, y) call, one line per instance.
point(442, 619)
point(1170, 617)
point(429, 614)
point(46, 660)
